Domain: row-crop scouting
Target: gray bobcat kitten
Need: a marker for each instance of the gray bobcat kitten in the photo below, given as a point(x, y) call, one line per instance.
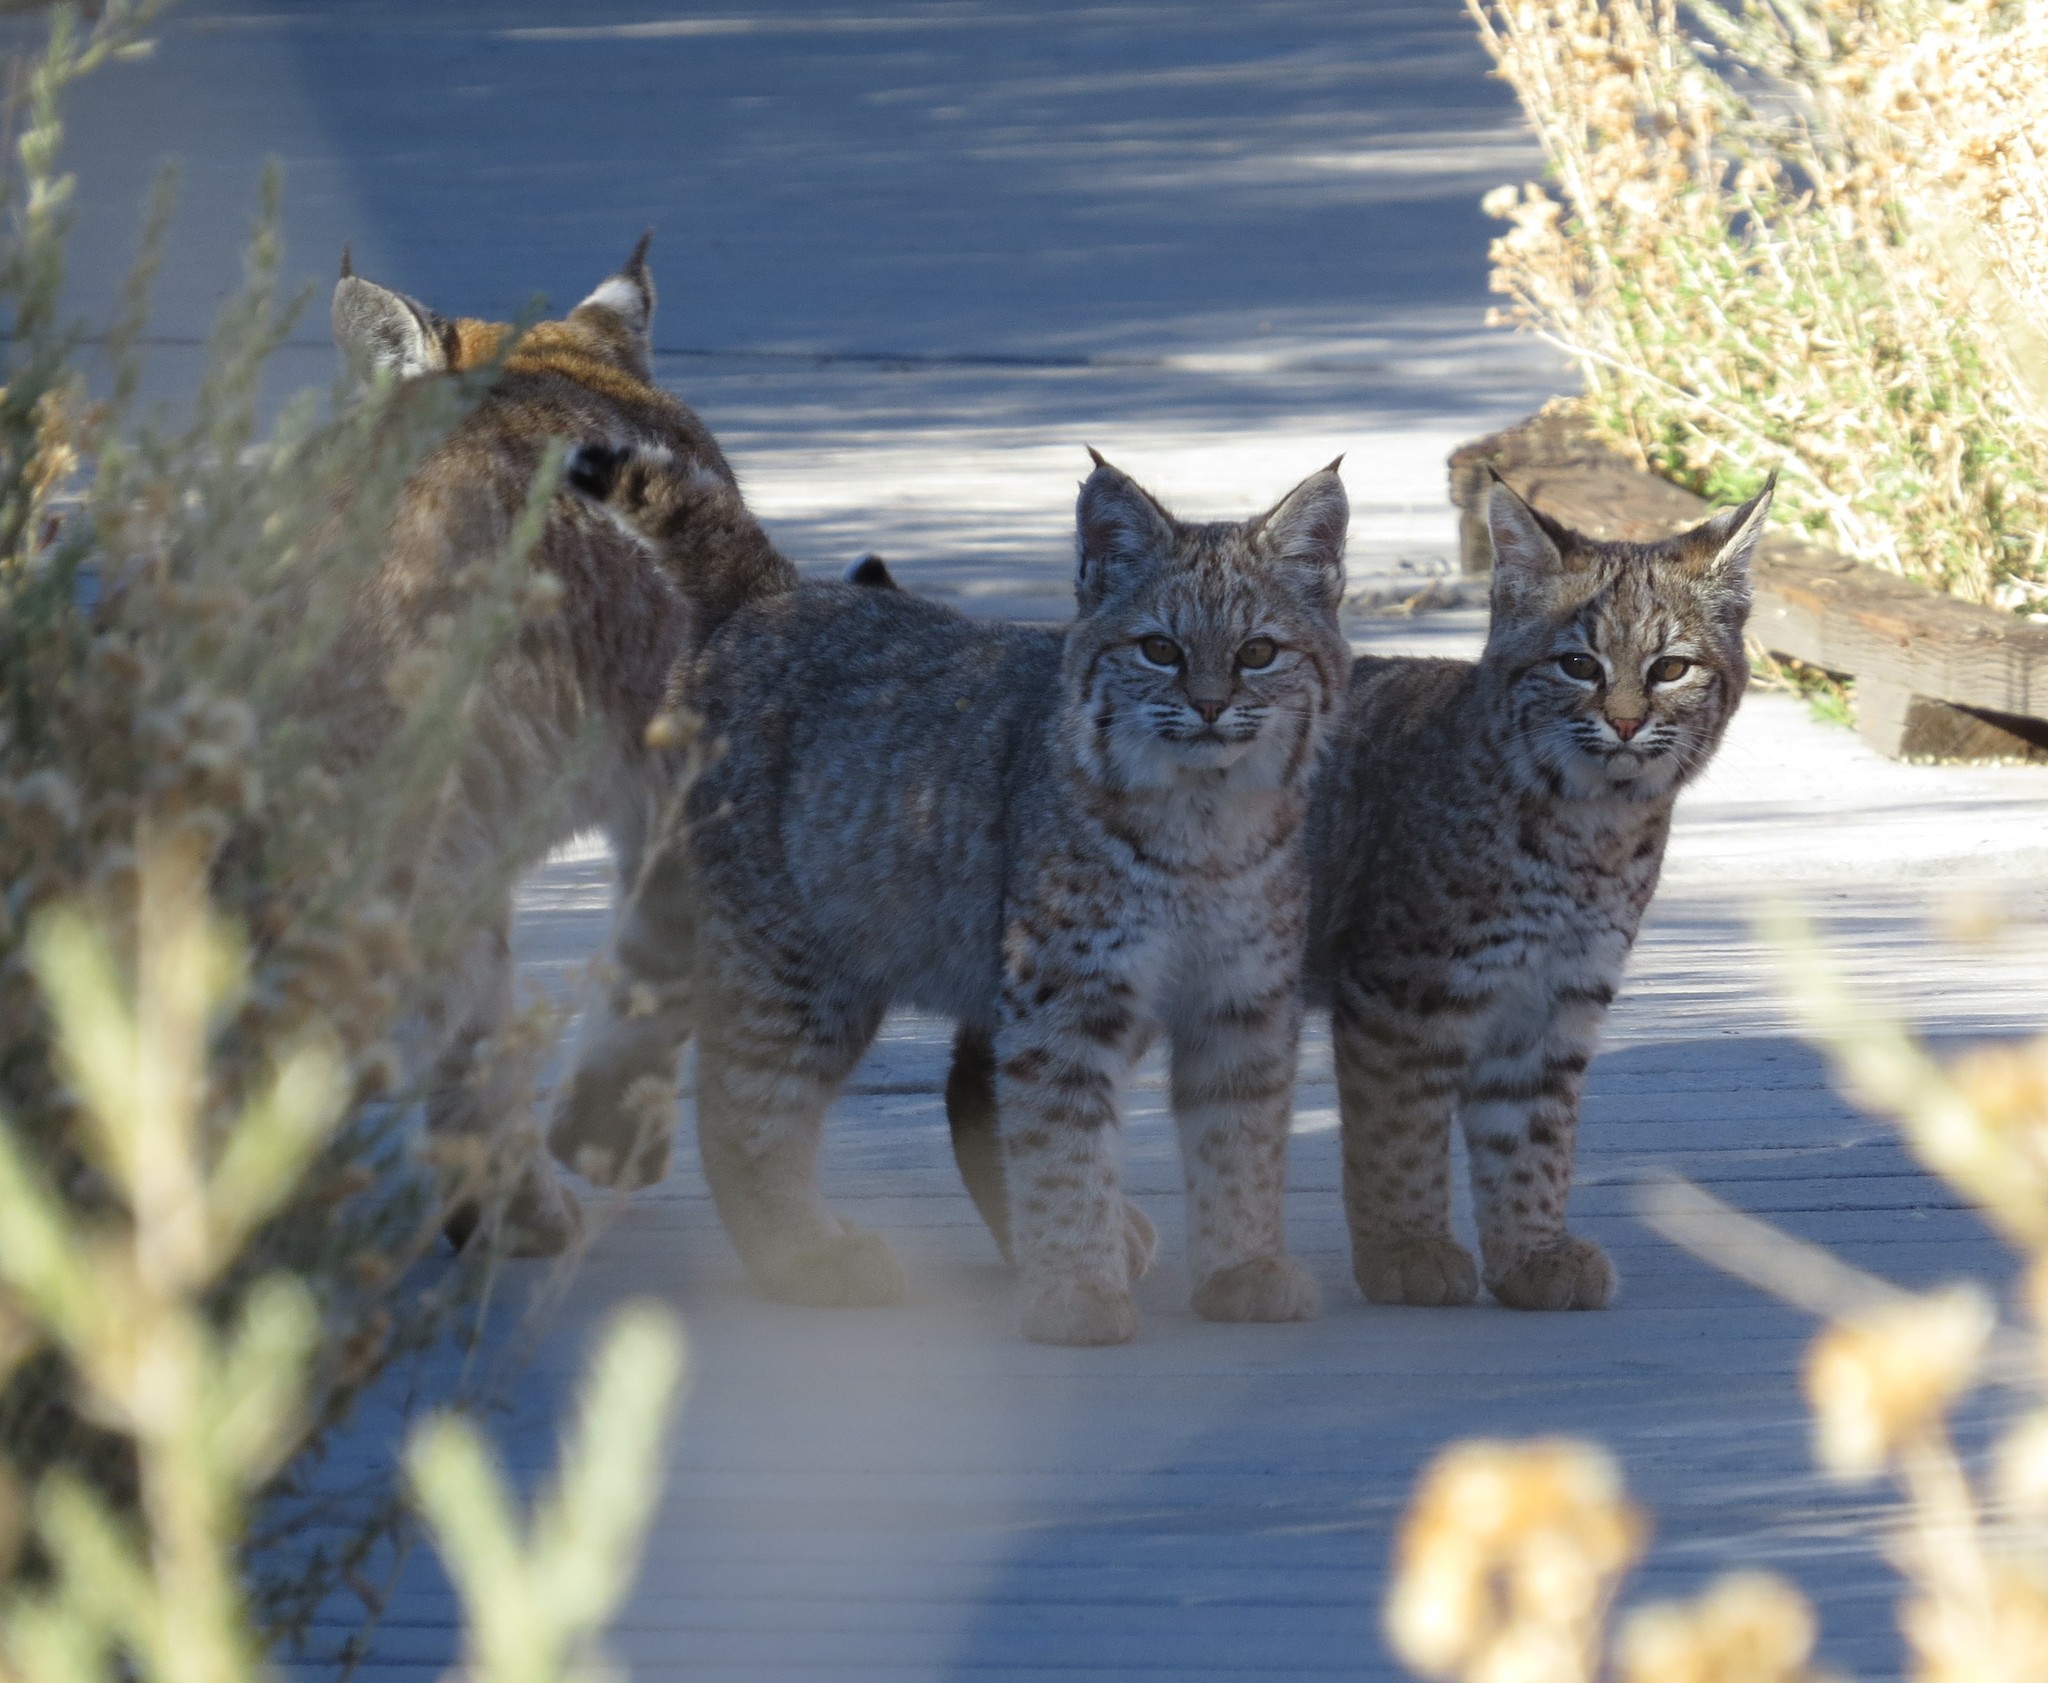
point(1071, 841)
point(1484, 840)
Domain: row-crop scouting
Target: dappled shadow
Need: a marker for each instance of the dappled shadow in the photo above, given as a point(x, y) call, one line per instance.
point(1281, 193)
point(912, 259)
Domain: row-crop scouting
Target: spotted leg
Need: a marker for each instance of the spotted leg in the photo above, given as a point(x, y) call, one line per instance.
point(1520, 1114)
point(1397, 1091)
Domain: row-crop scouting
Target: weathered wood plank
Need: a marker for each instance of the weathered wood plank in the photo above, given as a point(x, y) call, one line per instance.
point(1936, 677)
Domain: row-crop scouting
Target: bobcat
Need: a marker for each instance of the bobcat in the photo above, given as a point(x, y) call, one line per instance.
point(1484, 840)
point(593, 668)
point(1069, 840)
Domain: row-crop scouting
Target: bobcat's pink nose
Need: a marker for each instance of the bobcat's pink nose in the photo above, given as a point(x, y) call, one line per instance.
point(1626, 728)
point(1211, 711)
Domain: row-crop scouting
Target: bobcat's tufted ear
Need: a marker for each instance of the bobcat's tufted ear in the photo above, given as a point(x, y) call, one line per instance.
point(1120, 532)
point(1304, 531)
point(628, 297)
point(376, 329)
point(1530, 552)
point(1523, 538)
point(1719, 550)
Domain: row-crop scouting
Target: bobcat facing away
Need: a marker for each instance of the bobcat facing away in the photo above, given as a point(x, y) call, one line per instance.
point(1484, 839)
point(594, 669)
point(1071, 841)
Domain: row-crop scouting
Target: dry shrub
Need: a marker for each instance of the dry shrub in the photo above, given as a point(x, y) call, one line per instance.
point(1804, 234)
point(169, 590)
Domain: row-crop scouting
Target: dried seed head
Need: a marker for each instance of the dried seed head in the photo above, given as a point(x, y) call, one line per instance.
point(1507, 1558)
point(1882, 1381)
point(1750, 1627)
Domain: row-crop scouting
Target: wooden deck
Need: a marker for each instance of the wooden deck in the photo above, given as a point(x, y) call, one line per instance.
point(918, 1494)
point(912, 258)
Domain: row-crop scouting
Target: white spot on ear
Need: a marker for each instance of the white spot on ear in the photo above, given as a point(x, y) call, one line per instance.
point(622, 297)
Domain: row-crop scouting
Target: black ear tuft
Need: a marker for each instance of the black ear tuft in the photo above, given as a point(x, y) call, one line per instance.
point(1095, 455)
point(628, 297)
point(347, 268)
point(873, 572)
point(594, 469)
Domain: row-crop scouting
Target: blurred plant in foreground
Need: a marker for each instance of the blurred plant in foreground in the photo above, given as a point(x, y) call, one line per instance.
point(1508, 1562)
point(1509, 1559)
point(1802, 234)
point(211, 1394)
point(174, 587)
point(1882, 1381)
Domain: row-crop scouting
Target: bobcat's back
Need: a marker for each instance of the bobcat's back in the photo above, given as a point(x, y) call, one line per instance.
point(878, 751)
point(582, 680)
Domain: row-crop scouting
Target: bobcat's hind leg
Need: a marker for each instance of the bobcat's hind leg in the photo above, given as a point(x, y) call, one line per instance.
point(614, 1117)
point(773, 1049)
point(480, 1088)
point(1397, 1089)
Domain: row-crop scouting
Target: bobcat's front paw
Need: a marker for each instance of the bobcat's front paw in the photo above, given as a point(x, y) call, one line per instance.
point(1267, 1288)
point(1570, 1274)
point(1431, 1272)
point(1141, 1241)
point(1075, 1312)
point(614, 1134)
point(852, 1269)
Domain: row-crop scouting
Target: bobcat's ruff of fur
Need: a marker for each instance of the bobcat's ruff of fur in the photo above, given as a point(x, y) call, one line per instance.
point(588, 674)
point(1067, 843)
point(1486, 837)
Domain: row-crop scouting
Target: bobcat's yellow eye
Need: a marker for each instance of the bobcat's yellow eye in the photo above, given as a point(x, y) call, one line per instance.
point(1257, 653)
point(1580, 666)
point(1668, 669)
point(1160, 651)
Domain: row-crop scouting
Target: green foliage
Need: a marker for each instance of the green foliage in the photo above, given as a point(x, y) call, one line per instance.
point(211, 1388)
point(537, 1602)
point(1829, 696)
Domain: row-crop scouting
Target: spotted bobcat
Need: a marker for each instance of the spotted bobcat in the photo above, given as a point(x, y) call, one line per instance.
point(592, 669)
point(1071, 841)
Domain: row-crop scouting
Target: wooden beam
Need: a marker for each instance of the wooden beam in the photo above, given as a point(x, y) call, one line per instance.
point(1903, 642)
point(1906, 726)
